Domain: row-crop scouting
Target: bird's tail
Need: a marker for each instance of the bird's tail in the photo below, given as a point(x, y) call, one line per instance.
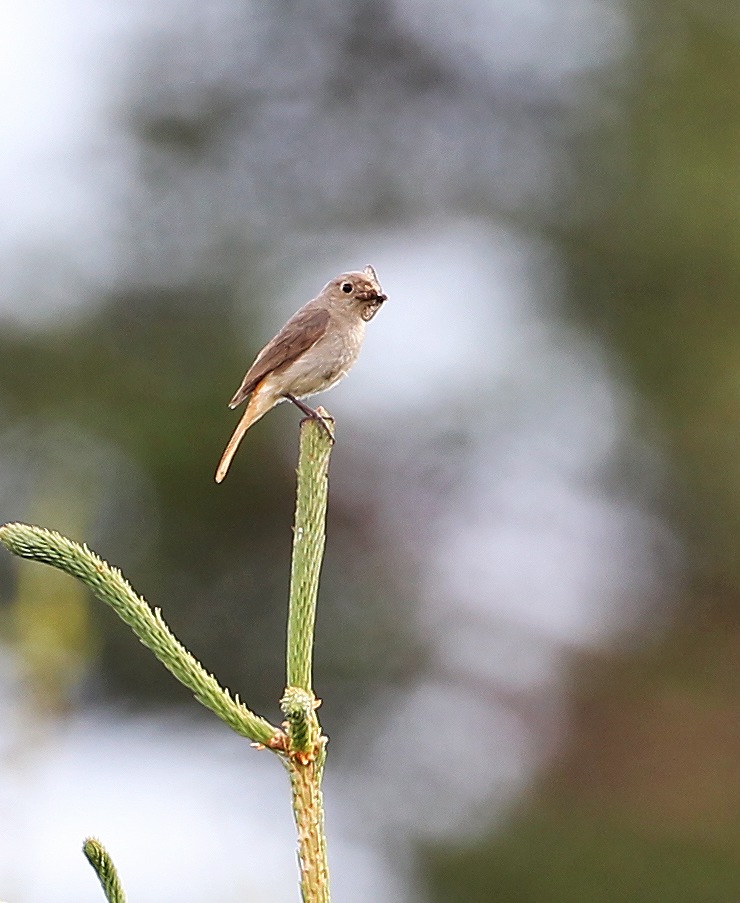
point(259, 404)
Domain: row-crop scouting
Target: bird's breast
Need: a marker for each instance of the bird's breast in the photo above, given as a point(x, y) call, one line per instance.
point(329, 360)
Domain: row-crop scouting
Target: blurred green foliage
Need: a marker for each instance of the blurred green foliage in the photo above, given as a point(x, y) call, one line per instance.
point(658, 271)
point(560, 855)
point(657, 274)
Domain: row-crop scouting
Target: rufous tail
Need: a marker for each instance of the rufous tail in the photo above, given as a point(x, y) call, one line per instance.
point(255, 409)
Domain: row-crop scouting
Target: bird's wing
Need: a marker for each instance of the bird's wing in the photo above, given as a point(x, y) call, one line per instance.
point(301, 331)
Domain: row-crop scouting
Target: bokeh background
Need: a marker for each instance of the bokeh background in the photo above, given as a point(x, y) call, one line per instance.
point(529, 638)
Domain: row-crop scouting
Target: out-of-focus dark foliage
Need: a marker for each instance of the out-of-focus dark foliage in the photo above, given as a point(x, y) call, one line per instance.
point(560, 854)
point(644, 803)
point(658, 271)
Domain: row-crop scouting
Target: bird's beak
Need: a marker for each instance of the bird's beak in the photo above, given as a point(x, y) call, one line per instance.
point(373, 300)
point(373, 296)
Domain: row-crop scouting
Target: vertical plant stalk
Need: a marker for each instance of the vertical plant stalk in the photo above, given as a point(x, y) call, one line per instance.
point(309, 537)
point(305, 743)
point(308, 808)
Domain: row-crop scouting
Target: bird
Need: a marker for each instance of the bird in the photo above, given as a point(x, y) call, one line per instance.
point(313, 351)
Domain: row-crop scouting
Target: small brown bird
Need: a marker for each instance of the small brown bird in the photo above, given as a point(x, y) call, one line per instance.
point(311, 353)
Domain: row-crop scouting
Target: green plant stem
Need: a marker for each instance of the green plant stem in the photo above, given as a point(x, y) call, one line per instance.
point(99, 859)
point(109, 586)
point(308, 808)
point(309, 537)
point(306, 745)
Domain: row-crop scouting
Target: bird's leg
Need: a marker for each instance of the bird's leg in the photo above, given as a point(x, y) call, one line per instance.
point(311, 413)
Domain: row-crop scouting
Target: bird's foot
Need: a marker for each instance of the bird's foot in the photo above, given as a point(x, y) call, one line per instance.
point(313, 414)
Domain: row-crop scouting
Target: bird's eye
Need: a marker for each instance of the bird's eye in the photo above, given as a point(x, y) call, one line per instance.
point(347, 287)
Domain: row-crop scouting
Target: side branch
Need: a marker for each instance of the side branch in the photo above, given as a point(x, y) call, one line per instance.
point(109, 585)
point(101, 862)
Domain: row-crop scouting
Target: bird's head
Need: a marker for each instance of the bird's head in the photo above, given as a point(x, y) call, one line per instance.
point(357, 290)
